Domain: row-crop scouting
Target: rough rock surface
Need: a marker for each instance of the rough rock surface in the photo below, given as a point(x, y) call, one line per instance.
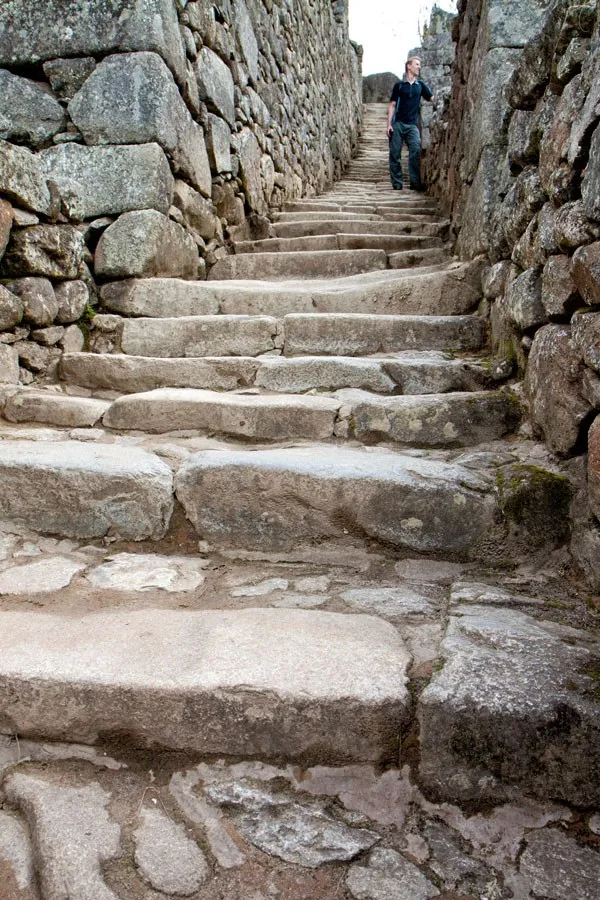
point(144, 244)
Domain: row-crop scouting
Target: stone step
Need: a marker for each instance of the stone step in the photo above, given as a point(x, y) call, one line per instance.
point(266, 417)
point(335, 494)
point(314, 687)
point(452, 289)
point(28, 405)
point(369, 213)
point(82, 490)
point(389, 243)
point(363, 335)
point(409, 259)
point(357, 226)
point(293, 265)
point(405, 373)
point(337, 204)
point(201, 336)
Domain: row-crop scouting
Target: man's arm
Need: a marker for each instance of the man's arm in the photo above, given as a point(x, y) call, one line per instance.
point(390, 116)
point(426, 92)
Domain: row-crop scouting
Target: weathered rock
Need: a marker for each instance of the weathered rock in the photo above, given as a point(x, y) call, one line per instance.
point(73, 835)
point(131, 98)
point(249, 153)
point(590, 186)
point(198, 213)
point(586, 337)
point(491, 112)
point(572, 227)
point(22, 179)
point(146, 571)
point(326, 373)
point(11, 309)
point(9, 364)
point(201, 336)
point(72, 298)
point(524, 300)
point(48, 337)
point(36, 358)
point(521, 203)
point(6, 222)
point(554, 143)
point(217, 682)
point(388, 874)
point(558, 867)
point(559, 290)
point(594, 467)
point(77, 490)
point(54, 409)
point(27, 111)
point(496, 279)
point(15, 853)
point(40, 576)
point(530, 78)
point(101, 181)
point(145, 244)
point(247, 39)
point(218, 144)
point(167, 858)
point(586, 272)
point(54, 251)
point(553, 385)
point(73, 340)
point(513, 705)
point(215, 84)
point(29, 35)
point(67, 76)
point(40, 306)
point(389, 603)
point(158, 298)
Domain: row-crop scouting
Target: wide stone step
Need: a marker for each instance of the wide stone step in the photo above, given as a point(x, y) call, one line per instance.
point(318, 264)
point(435, 420)
point(370, 213)
point(340, 494)
point(85, 490)
point(453, 289)
point(363, 335)
point(314, 687)
point(409, 259)
point(53, 409)
point(339, 241)
point(358, 226)
point(260, 417)
point(404, 373)
point(201, 336)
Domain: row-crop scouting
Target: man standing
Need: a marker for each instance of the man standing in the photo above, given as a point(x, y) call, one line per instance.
point(403, 124)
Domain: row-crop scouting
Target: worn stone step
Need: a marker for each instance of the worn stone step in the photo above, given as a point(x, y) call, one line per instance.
point(434, 420)
point(30, 405)
point(315, 687)
point(234, 499)
point(408, 259)
point(351, 213)
point(453, 289)
point(201, 336)
point(390, 243)
point(290, 265)
point(260, 417)
point(363, 335)
point(82, 490)
point(358, 226)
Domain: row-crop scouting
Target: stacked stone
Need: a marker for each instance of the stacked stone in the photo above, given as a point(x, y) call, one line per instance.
point(137, 137)
point(517, 164)
point(437, 56)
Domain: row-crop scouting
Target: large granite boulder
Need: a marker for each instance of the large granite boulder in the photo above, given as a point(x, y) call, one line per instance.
point(131, 98)
point(378, 88)
point(40, 306)
point(524, 300)
point(22, 179)
point(102, 181)
point(52, 251)
point(145, 244)
point(590, 186)
point(586, 272)
point(215, 84)
point(11, 309)
point(27, 111)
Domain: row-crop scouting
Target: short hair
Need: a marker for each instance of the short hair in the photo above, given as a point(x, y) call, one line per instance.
point(408, 62)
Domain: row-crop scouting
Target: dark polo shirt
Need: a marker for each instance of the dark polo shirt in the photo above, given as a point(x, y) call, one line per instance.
point(407, 98)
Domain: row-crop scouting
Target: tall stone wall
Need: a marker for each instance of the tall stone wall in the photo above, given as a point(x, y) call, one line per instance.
point(516, 164)
point(136, 136)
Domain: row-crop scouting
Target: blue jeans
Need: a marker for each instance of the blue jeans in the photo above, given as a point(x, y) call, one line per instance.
point(409, 134)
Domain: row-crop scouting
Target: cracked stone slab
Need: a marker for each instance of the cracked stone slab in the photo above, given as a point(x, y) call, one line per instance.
point(189, 336)
point(15, 850)
point(388, 875)
point(167, 858)
point(54, 409)
point(488, 595)
point(39, 577)
point(512, 707)
point(79, 490)
point(391, 603)
point(301, 684)
point(147, 571)
point(559, 868)
point(72, 833)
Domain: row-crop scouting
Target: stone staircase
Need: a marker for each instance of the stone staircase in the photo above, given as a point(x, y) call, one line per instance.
point(324, 402)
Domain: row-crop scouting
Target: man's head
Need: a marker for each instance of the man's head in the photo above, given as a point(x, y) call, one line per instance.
point(413, 66)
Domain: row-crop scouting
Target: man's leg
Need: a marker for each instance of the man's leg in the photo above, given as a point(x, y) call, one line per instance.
point(413, 140)
point(395, 154)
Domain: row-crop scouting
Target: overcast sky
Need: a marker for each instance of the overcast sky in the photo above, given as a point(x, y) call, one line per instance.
point(388, 29)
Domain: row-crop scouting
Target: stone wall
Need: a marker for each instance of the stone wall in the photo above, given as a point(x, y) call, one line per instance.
point(437, 57)
point(137, 136)
point(516, 164)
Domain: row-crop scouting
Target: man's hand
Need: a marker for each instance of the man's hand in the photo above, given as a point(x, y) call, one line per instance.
point(390, 129)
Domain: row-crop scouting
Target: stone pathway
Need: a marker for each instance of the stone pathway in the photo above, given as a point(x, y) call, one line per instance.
point(284, 611)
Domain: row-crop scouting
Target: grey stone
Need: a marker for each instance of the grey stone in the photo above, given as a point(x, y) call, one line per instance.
point(72, 298)
point(303, 374)
point(302, 834)
point(524, 300)
point(201, 336)
point(246, 38)
point(30, 35)
point(167, 858)
point(388, 876)
point(573, 228)
point(478, 232)
point(36, 358)
point(40, 306)
point(48, 337)
point(9, 364)
point(158, 298)
point(543, 28)
point(450, 862)
point(131, 98)
point(66, 76)
point(40, 576)
point(235, 682)
point(54, 409)
point(215, 84)
point(146, 243)
point(11, 309)
point(590, 186)
point(53, 251)
point(22, 179)
point(586, 272)
point(490, 114)
point(100, 181)
point(512, 706)
point(15, 851)
point(559, 291)
point(553, 385)
point(27, 111)
point(218, 144)
point(100, 487)
point(523, 200)
point(558, 867)
point(199, 215)
point(390, 603)
point(488, 595)
point(249, 153)
point(262, 589)
point(147, 571)
point(593, 467)
point(73, 340)
point(6, 223)
point(73, 835)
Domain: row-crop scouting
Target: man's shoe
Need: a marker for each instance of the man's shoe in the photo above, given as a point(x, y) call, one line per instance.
point(418, 187)
point(397, 187)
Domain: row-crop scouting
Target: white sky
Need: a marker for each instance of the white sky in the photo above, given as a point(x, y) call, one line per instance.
point(388, 29)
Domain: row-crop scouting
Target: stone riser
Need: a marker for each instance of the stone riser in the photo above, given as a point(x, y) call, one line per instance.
point(338, 241)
